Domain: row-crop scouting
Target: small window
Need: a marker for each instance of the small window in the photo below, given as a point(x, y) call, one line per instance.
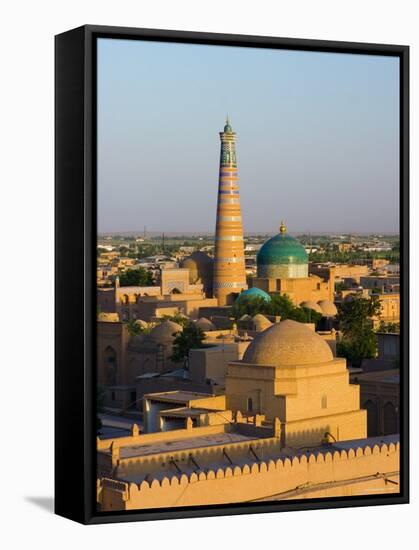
point(250, 404)
point(324, 402)
point(113, 396)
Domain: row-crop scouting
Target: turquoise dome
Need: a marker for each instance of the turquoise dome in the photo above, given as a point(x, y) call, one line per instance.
point(282, 256)
point(254, 293)
point(282, 249)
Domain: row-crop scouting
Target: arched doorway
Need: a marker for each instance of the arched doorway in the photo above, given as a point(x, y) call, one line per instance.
point(390, 419)
point(111, 366)
point(372, 418)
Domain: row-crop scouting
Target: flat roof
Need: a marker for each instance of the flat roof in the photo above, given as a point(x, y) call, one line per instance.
point(186, 411)
point(178, 395)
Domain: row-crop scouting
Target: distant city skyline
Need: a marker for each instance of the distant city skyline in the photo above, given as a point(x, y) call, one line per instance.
point(317, 138)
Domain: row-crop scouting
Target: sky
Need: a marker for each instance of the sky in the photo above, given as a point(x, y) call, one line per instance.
point(317, 137)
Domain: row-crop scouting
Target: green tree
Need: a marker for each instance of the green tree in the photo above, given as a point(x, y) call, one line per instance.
point(280, 305)
point(191, 337)
point(389, 327)
point(177, 318)
point(248, 306)
point(136, 277)
point(134, 327)
point(355, 321)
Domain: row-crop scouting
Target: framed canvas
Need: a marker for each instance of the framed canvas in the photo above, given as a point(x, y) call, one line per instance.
point(231, 274)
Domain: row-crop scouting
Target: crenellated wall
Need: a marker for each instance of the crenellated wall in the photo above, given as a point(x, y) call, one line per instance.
point(357, 471)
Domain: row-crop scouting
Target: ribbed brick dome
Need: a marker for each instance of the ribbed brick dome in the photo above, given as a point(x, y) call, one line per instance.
point(288, 343)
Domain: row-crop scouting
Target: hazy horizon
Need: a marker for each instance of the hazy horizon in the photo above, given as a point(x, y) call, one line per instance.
point(317, 138)
point(157, 233)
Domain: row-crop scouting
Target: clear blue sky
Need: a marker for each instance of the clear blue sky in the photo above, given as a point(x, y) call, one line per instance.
point(317, 137)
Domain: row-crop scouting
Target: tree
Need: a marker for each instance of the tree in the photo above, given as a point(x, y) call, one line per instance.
point(134, 327)
point(389, 327)
point(136, 277)
point(355, 321)
point(248, 306)
point(177, 318)
point(191, 337)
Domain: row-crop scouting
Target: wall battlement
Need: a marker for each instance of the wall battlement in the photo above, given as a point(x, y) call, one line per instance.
point(361, 469)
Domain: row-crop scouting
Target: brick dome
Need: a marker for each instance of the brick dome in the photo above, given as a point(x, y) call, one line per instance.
point(288, 343)
point(165, 331)
point(328, 308)
point(311, 304)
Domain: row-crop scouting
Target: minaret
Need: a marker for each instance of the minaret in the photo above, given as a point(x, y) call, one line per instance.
point(229, 268)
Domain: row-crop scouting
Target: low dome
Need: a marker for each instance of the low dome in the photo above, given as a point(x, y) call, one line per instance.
point(165, 331)
point(254, 292)
point(311, 304)
point(200, 267)
point(245, 317)
point(328, 308)
point(288, 343)
point(205, 324)
point(196, 259)
point(260, 322)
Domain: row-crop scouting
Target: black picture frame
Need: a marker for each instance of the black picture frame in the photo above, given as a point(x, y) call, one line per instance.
point(75, 274)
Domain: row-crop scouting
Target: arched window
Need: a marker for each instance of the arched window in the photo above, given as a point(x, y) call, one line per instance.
point(249, 404)
point(390, 419)
point(372, 418)
point(324, 402)
point(125, 299)
point(111, 366)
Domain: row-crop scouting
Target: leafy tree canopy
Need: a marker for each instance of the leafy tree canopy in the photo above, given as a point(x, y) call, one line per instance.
point(191, 337)
point(389, 327)
point(134, 327)
point(280, 305)
point(136, 277)
point(355, 321)
point(177, 318)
